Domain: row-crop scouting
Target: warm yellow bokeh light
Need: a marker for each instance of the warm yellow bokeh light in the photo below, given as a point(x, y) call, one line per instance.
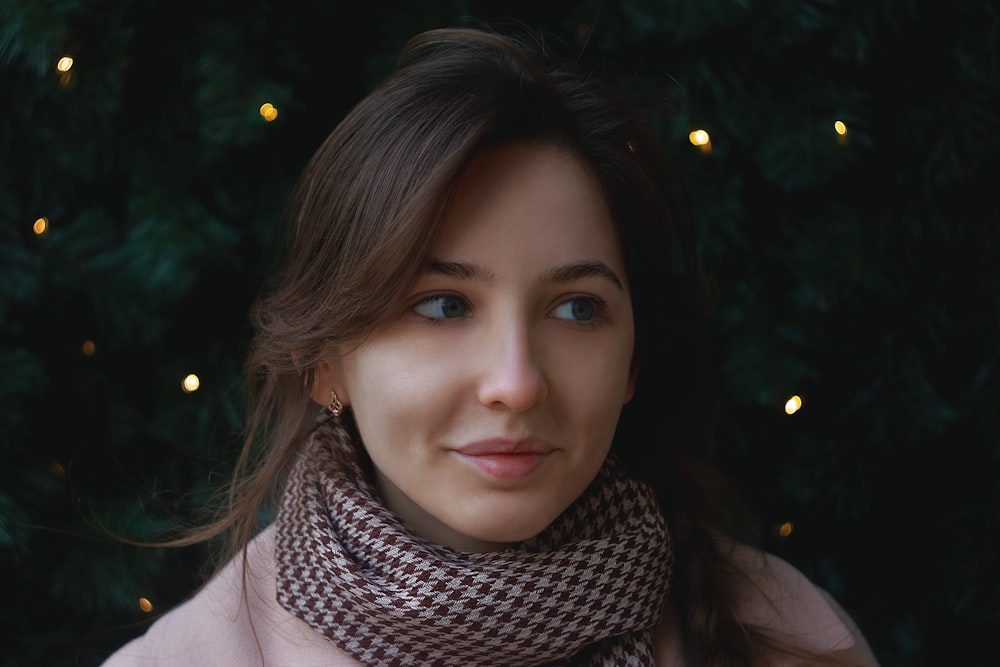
point(191, 383)
point(699, 137)
point(785, 529)
point(65, 64)
point(793, 404)
point(268, 111)
point(41, 226)
point(89, 348)
point(840, 127)
point(145, 605)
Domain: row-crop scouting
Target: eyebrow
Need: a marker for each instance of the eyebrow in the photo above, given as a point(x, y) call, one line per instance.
point(460, 270)
point(590, 268)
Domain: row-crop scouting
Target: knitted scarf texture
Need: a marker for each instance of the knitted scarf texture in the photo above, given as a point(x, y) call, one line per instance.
point(588, 590)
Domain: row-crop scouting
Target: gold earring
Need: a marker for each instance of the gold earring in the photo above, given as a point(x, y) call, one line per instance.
point(335, 407)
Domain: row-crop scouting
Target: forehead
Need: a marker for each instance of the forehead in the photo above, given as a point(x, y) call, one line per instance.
point(529, 201)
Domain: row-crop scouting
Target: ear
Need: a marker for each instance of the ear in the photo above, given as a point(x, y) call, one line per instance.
point(326, 379)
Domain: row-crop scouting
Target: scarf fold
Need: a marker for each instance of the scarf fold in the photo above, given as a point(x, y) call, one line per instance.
point(588, 590)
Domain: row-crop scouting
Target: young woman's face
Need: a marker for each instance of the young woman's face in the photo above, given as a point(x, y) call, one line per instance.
point(489, 404)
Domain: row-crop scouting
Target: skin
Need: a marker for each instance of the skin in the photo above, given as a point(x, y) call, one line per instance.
point(519, 336)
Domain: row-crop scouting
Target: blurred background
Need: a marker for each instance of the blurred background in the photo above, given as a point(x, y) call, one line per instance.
point(843, 160)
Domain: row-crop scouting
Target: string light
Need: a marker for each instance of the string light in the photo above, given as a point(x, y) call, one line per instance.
point(63, 66)
point(145, 605)
point(792, 405)
point(190, 383)
point(701, 139)
point(88, 348)
point(41, 226)
point(268, 111)
point(785, 529)
point(840, 127)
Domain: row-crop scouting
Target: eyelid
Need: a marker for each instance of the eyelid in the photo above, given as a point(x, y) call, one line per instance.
point(600, 309)
point(419, 299)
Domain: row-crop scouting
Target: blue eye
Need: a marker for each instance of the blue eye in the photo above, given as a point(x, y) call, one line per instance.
point(442, 307)
point(577, 310)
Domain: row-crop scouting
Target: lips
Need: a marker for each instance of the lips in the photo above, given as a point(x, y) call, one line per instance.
point(506, 459)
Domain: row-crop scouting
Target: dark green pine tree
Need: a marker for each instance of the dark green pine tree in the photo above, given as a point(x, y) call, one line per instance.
point(140, 192)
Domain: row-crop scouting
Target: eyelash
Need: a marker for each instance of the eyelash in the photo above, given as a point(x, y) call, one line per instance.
point(437, 321)
point(600, 310)
point(599, 305)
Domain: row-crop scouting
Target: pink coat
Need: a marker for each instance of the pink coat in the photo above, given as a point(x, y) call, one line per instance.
point(216, 628)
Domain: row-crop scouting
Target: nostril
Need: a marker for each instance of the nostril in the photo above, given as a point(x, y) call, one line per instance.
point(514, 383)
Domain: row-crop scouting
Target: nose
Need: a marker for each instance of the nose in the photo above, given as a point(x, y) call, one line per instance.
point(511, 376)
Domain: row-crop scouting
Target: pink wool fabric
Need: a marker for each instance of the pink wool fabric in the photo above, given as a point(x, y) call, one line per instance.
point(236, 619)
point(223, 625)
point(351, 570)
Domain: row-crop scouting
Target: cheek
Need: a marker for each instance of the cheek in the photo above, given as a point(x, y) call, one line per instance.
point(594, 373)
point(588, 388)
point(393, 392)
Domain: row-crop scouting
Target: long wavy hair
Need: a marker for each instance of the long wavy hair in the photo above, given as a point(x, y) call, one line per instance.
point(363, 218)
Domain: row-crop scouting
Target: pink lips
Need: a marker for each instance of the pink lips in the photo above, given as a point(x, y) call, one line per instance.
point(506, 459)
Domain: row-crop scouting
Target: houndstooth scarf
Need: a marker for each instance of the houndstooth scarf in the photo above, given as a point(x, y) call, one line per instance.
point(587, 591)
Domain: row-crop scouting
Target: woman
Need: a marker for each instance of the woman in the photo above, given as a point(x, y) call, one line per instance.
point(478, 376)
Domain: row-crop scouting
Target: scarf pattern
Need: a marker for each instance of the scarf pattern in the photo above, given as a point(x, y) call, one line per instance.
point(588, 590)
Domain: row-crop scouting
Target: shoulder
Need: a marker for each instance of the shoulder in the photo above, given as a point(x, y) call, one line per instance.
point(775, 596)
point(221, 626)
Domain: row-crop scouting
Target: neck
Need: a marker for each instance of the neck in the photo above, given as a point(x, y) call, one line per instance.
point(425, 525)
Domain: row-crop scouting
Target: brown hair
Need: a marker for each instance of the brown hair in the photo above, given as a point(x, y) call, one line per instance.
point(364, 216)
